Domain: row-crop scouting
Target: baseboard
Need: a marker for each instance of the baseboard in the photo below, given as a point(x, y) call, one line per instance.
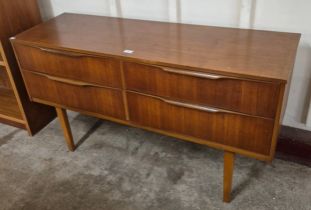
point(294, 145)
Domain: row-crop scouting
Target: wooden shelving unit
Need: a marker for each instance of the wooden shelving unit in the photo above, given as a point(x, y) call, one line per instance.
point(9, 109)
point(15, 107)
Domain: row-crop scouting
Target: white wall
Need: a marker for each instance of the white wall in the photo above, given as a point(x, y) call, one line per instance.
point(280, 15)
point(293, 16)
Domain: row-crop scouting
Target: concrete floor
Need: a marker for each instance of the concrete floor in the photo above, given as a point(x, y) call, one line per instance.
point(122, 168)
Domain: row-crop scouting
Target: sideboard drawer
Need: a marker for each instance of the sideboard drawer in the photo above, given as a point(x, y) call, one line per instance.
point(245, 96)
point(104, 71)
point(73, 94)
point(240, 131)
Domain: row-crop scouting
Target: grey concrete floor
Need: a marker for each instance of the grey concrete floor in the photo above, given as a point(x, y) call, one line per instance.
point(121, 168)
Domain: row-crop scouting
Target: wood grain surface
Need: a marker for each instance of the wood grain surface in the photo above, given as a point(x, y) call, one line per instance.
point(250, 97)
point(76, 95)
point(250, 53)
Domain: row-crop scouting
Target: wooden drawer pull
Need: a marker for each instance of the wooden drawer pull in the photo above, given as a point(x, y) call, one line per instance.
point(197, 107)
point(69, 54)
point(194, 74)
point(67, 81)
point(192, 106)
point(204, 108)
point(70, 82)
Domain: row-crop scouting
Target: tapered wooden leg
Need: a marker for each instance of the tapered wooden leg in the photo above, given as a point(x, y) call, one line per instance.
point(63, 119)
point(228, 172)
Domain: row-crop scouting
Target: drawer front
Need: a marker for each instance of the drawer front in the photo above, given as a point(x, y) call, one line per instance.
point(75, 95)
point(240, 131)
point(104, 71)
point(249, 97)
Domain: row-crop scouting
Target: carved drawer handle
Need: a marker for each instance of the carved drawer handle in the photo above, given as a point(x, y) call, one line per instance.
point(195, 74)
point(72, 82)
point(205, 108)
point(58, 52)
point(68, 81)
point(192, 106)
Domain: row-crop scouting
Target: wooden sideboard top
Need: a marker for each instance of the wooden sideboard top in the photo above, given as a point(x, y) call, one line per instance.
point(237, 52)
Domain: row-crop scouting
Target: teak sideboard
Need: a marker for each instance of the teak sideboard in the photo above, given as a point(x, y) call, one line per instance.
point(220, 87)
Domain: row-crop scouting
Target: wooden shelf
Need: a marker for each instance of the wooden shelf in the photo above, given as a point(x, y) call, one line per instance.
point(9, 109)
